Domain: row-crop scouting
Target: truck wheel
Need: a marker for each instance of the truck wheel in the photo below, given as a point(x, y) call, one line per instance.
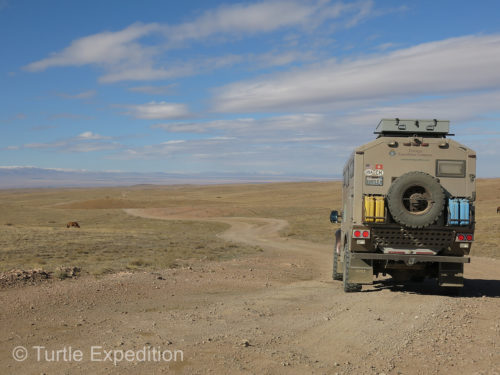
point(454, 291)
point(336, 275)
point(348, 287)
point(417, 279)
point(415, 199)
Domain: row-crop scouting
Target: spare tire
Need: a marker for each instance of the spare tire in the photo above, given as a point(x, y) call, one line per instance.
point(416, 199)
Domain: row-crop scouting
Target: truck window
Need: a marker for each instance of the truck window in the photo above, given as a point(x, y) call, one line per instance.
point(450, 168)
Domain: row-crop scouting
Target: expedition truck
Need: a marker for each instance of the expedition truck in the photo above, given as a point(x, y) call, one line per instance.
point(408, 207)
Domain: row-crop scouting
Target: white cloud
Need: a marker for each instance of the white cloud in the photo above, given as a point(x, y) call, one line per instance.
point(106, 48)
point(386, 46)
point(69, 116)
point(249, 125)
point(310, 139)
point(244, 18)
point(307, 141)
point(234, 154)
point(233, 143)
point(173, 142)
point(452, 65)
point(178, 69)
point(265, 17)
point(282, 58)
point(184, 149)
point(40, 145)
point(222, 138)
point(89, 135)
point(92, 147)
point(82, 95)
point(123, 57)
point(458, 109)
point(363, 9)
point(84, 142)
point(153, 90)
point(159, 110)
point(145, 72)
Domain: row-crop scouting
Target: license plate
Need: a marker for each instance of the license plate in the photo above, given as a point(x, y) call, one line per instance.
point(374, 180)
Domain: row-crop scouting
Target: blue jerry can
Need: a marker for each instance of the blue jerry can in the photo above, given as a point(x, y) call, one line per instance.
point(453, 207)
point(464, 212)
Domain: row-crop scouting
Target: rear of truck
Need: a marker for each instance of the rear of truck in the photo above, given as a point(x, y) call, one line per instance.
point(408, 206)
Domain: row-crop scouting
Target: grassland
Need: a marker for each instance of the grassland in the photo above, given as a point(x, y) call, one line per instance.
point(33, 229)
point(33, 234)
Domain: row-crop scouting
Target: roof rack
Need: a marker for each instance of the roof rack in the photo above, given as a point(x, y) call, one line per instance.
point(405, 127)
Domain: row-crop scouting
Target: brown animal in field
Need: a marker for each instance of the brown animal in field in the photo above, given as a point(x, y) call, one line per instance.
point(498, 210)
point(72, 224)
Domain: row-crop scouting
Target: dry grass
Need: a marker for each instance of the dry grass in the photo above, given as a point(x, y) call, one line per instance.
point(33, 234)
point(33, 231)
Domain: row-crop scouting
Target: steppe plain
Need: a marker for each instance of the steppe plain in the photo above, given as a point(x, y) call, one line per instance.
point(238, 277)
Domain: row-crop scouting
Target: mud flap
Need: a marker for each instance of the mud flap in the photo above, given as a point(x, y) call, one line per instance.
point(361, 271)
point(451, 274)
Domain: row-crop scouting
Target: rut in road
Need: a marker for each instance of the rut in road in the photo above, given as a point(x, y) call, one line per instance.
point(264, 232)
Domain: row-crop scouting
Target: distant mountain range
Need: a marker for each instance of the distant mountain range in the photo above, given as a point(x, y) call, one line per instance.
point(33, 177)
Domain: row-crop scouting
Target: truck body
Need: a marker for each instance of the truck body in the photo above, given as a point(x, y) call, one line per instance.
point(408, 206)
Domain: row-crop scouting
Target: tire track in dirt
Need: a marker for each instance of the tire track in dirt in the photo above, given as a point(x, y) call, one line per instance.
point(264, 232)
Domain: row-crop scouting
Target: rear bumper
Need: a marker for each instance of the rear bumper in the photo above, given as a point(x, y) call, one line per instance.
point(410, 259)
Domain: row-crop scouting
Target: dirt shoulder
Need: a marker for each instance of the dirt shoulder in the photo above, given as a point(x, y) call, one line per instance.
point(274, 312)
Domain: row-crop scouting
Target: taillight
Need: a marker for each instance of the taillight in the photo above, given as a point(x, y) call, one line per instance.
point(464, 237)
point(361, 233)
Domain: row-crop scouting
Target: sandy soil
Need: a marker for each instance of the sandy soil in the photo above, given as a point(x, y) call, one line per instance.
point(275, 312)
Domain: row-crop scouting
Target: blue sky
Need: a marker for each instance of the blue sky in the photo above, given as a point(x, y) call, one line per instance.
point(273, 87)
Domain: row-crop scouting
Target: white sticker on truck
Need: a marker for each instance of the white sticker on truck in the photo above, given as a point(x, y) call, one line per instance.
point(374, 172)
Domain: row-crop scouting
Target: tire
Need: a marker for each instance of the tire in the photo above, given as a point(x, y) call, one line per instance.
point(417, 279)
point(454, 291)
point(416, 200)
point(348, 287)
point(336, 275)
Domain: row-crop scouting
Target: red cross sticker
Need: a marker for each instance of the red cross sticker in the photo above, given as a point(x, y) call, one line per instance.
point(379, 166)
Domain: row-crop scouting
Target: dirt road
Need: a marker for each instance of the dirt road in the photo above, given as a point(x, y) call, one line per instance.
point(275, 312)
